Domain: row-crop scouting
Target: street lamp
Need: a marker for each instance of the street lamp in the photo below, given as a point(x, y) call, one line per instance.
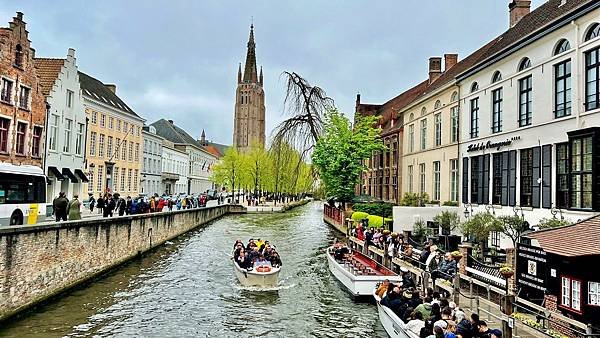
point(468, 212)
point(489, 207)
point(555, 211)
point(517, 209)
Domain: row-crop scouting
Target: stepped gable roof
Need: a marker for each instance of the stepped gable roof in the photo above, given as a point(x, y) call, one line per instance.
point(48, 70)
point(96, 90)
point(579, 239)
point(538, 19)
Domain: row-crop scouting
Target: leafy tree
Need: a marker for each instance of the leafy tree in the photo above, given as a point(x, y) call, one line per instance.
point(479, 226)
point(447, 219)
point(413, 199)
point(547, 223)
point(257, 164)
point(420, 230)
point(339, 153)
point(229, 170)
point(513, 227)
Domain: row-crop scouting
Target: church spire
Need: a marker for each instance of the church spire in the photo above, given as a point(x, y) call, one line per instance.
point(260, 78)
point(240, 73)
point(250, 72)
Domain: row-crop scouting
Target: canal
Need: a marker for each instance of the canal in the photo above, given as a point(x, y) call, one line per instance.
point(187, 289)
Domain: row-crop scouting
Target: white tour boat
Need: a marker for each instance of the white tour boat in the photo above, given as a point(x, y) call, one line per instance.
point(263, 276)
point(393, 325)
point(359, 273)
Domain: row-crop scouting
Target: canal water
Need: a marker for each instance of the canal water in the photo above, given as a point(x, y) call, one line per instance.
point(187, 289)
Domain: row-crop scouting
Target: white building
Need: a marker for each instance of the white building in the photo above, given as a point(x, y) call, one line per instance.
point(65, 144)
point(175, 166)
point(151, 162)
point(530, 126)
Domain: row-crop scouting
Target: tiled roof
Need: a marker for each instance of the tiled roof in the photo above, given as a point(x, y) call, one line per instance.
point(48, 70)
point(579, 239)
point(217, 147)
point(173, 133)
point(96, 90)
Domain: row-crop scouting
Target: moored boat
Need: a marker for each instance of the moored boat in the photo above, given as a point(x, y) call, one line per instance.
point(393, 325)
point(263, 276)
point(359, 273)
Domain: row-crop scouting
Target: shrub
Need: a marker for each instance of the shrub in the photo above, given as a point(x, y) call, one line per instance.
point(377, 221)
point(547, 223)
point(413, 199)
point(357, 216)
point(378, 209)
point(420, 230)
point(450, 204)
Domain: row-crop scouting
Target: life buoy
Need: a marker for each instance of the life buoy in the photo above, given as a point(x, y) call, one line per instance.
point(263, 268)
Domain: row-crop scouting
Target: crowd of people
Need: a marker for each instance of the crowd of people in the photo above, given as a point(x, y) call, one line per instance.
point(255, 253)
point(431, 315)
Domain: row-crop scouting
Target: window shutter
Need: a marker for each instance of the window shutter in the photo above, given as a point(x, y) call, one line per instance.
point(512, 178)
point(535, 186)
point(547, 176)
point(486, 179)
point(504, 199)
point(465, 180)
point(480, 180)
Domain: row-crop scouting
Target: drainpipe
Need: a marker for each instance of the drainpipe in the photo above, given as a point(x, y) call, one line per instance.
point(578, 66)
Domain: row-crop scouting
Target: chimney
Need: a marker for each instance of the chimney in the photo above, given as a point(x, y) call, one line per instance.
point(450, 60)
point(435, 68)
point(111, 87)
point(20, 16)
point(170, 121)
point(517, 10)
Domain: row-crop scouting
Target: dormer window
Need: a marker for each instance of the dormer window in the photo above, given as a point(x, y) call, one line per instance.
point(497, 77)
point(524, 64)
point(19, 56)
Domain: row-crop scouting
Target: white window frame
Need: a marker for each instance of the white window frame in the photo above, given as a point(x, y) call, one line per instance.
point(54, 122)
point(28, 99)
point(79, 139)
point(68, 134)
point(11, 96)
point(595, 292)
point(70, 96)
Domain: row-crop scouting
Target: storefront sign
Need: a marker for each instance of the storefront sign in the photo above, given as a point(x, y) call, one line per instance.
point(492, 144)
point(532, 270)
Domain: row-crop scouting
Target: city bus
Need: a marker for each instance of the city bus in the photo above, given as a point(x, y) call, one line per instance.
point(22, 194)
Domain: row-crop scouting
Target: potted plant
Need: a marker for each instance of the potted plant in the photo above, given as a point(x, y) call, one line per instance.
point(507, 271)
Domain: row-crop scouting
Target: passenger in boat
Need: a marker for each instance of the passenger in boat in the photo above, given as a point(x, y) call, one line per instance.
point(275, 259)
point(340, 251)
point(382, 288)
point(425, 308)
point(259, 244)
point(407, 279)
point(243, 261)
point(415, 323)
point(261, 261)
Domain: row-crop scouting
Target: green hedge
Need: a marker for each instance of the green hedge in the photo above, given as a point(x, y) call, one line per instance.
point(357, 216)
point(377, 221)
point(377, 209)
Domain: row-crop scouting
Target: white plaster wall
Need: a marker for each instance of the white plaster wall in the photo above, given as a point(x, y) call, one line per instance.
point(405, 217)
point(175, 162)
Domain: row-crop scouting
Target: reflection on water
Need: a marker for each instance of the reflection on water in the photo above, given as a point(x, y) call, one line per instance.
point(187, 289)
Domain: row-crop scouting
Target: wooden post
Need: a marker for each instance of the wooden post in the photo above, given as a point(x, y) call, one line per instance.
point(456, 290)
point(507, 308)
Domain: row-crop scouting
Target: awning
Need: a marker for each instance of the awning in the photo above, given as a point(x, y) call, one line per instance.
point(56, 173)
point(67, 172)
point(169, 176)
point(81, 175)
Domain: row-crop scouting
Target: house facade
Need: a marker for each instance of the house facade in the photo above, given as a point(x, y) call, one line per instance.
point(64, 164)
point(113, 142)
point(151, 162)
point(530, 108)
point(22, 103)
point(175, 166)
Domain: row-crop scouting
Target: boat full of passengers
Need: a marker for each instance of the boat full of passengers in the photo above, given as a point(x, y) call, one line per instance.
point(258, 264)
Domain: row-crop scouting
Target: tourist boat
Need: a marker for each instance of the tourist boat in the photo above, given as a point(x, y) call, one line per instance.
point(359, 273)
point(263, 276)
point(393, 325)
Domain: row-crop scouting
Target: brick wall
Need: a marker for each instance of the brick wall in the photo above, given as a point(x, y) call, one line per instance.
point(39, 261)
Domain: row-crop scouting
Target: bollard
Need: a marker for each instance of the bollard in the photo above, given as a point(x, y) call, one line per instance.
point(507, 307)
point(456, 291)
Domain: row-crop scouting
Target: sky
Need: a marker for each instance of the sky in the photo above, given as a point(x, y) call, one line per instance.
point(178, 59)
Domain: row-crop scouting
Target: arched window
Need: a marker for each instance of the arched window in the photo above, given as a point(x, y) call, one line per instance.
point(497, 76)
point(474, 87)
point(19, 56)
point(423, 111)
point(593, 32)
point(438, 104)
point(411, 117)
point(562, 46)
point(524, 64)
point(454, 97)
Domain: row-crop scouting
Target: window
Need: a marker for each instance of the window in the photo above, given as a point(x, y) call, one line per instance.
point(109, 147)
point(411, 138)
point(475, 117)
point(436, 180)
point(593, 32)
point(594, 293)
point(454, 180)
point(438, 129)
point(24, 97)
point(21, 132)
point(454, 97)
point(592, 76)
point(68, 131)
point(562, 89)
point(475, 182)
point(4, 125)
point(524, 64)
point(138, 130)
point(135, 180)
point(70, 96)
point(454, 124)
point(53, 132)
point(525, 106)
point(111, 122)
point(423, 111)
point(570, 293)
point(36, 141)
point(562, 46)
point(100, 174)
point(19, 56)
point(102, 120)
point(94, 117)
point(101, 145)
point(79, 139)
point(115, 174)
point(123, 170)
point(125, 126)
point(497, 110)
point(410, 178)
point(497, 178)
point(581, 173)
point(496, 77)
point(130, 151)
point(422, 178)
point(137, 152)
point(93, 143)
point(423, 134)
point(6, 94)
point(438, 105)
point(495, 239)
point(474, 87)
point(124, 150)
point(394, 154)
point(129, 186)
point(411, 117)
point(118, 125)
point(526, 177)
point(562, 175)
point(91, 182)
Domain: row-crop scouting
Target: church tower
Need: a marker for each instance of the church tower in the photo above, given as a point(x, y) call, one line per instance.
point(249, 118)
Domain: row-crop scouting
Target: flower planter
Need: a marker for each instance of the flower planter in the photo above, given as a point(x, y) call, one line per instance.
point(507, 273)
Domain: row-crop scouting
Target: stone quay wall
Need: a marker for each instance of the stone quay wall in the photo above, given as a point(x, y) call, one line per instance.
point(41, 261)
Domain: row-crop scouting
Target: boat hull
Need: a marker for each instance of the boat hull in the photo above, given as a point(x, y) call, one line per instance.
point(357, 285)
point(259, 279)
point(391, 323)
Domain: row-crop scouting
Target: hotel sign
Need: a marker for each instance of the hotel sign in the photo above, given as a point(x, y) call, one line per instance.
point(492, 144)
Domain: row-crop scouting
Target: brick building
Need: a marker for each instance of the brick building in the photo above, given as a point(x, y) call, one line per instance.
point(22, 106)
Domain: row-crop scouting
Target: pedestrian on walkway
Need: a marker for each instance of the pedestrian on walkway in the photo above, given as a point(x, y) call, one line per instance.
point(59, 206)
point(128, 205)
point(75, 208)
point(92, 202)
point(121, 206)
point(109, 206)
point(100, 204)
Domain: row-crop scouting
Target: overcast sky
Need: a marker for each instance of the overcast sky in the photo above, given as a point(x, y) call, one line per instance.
point(178, 59)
